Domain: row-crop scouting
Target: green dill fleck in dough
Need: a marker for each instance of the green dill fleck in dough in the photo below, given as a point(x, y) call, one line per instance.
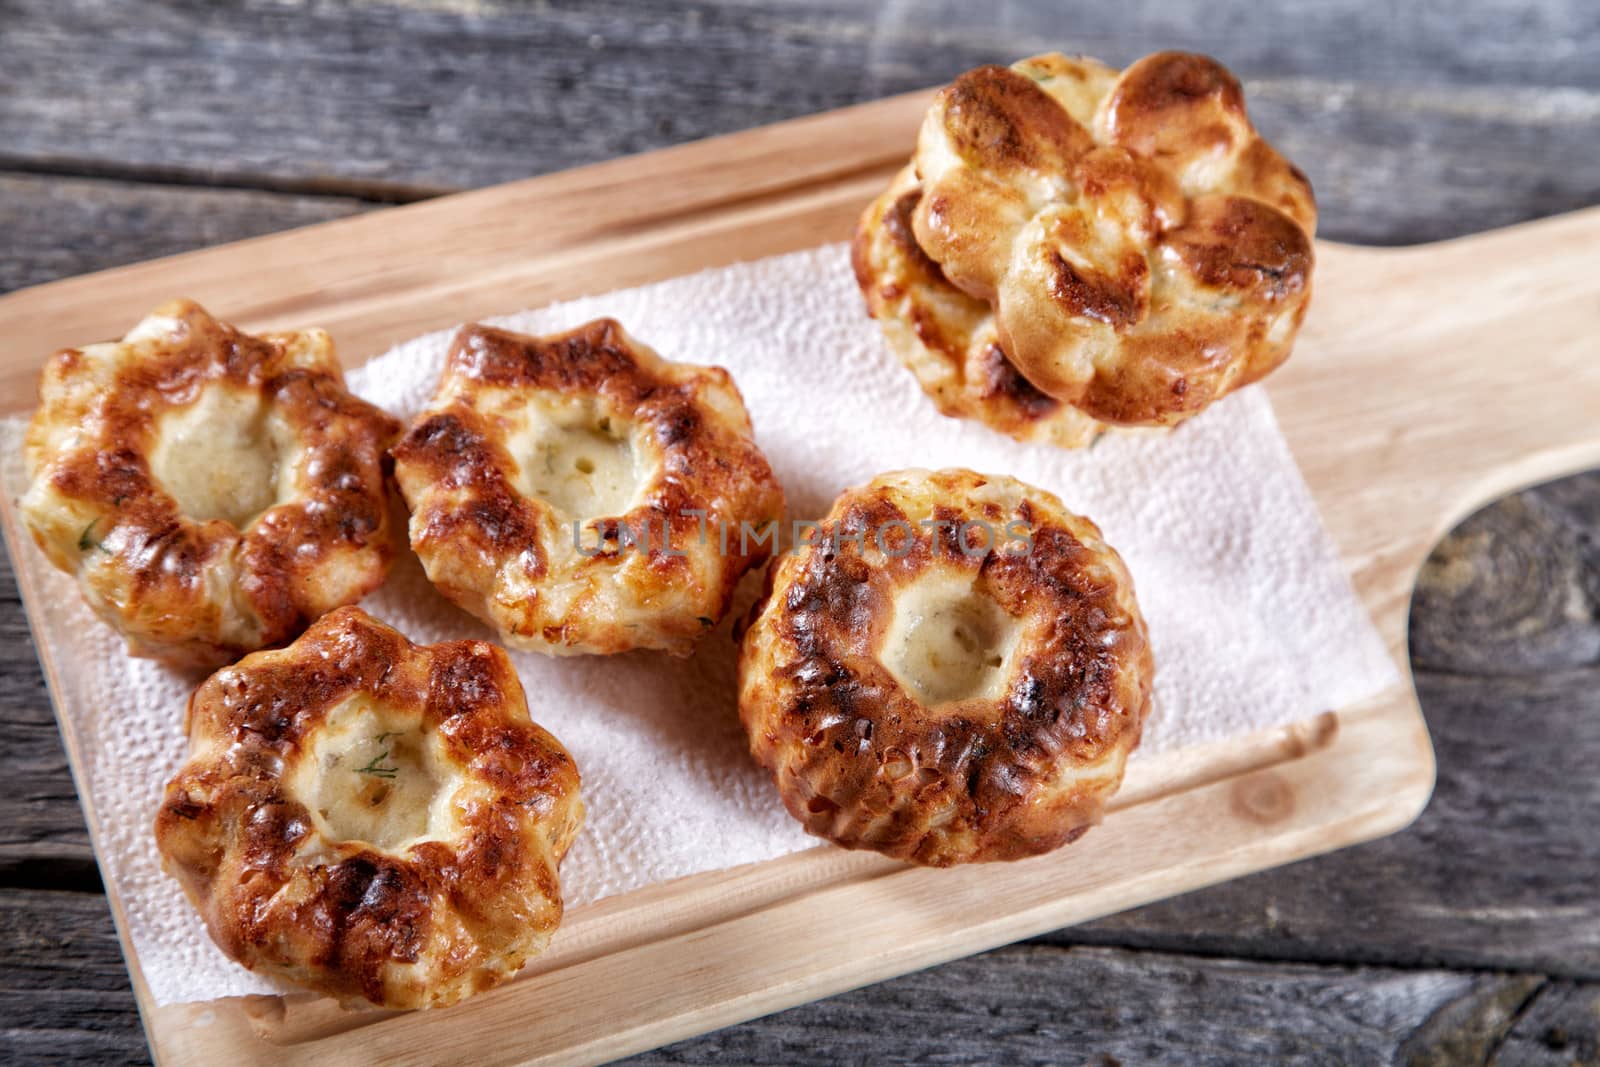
point(86, 543)
point(376, 765)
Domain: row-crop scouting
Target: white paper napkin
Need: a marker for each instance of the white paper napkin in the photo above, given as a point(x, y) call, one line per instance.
point(1253, 620)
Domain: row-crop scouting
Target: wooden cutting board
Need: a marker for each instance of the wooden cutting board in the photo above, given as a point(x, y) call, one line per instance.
point(1427, 381)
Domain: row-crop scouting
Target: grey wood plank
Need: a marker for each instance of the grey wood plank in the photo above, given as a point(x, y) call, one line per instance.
point(1515, 589)
point(1557, 1027)
point(64, 993)
point(1409, 125)
point(1035, 1005)
point(1472, 1029)
point(54, 227)
point(64, 998)
point(42, 836)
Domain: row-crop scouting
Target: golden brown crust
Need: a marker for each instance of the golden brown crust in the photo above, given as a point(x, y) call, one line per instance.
point(658, 574)
point(1144, 250)
point(200, 592)
point(946, 338)
point(1018, 769)
point(422, 923)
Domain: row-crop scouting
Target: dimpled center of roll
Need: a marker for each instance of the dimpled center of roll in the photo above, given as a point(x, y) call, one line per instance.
point(948, 642)
point(221, 456)
point(374, 776)
point(577, 460)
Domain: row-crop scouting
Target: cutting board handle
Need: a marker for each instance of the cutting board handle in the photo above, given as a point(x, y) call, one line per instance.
point(1431, 380)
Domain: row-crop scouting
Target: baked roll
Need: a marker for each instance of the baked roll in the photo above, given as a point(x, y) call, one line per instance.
point(946, 338)
point(952, 669)
point(213, 492)
point(372, 819)
point(1144, 251)
point(582, 494)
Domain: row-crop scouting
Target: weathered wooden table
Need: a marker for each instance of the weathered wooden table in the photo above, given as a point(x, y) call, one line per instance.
point(134, 129)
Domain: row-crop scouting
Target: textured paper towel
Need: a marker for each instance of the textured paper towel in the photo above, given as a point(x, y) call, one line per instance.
point(1253, 621)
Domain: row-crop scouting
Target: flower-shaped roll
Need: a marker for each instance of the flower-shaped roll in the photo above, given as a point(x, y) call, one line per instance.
point(376, 820)
point(582, 494)
point(946, 338)
point(1144, 250)
point(952, 669)
point(212, 492)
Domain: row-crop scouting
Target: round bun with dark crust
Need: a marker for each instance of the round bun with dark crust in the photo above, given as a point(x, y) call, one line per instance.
point(582, 494)
point(953, 669)
point(1143, 249)
point(372, 819)
point(946, 338)
point(213, 492)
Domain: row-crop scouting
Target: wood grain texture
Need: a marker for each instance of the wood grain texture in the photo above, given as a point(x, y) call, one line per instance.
point(65, 1000)
point(1103, 1006)
point(55, 227)
point(42, 836)
point(1515, 591)
point(1417, 121)
point(1410, 127)
point(64, 997)
point(1557, 1026)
